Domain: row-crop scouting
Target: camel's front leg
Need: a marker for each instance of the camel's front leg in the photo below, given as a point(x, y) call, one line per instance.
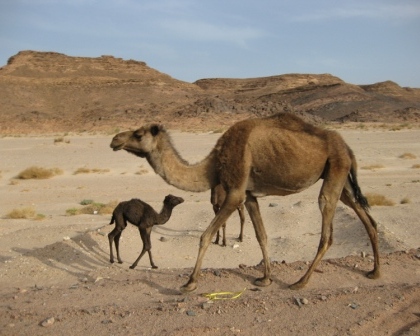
point(254, 212)
point(221, 217)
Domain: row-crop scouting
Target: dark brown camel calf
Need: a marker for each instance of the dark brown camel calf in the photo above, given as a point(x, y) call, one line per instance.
point(144, 217)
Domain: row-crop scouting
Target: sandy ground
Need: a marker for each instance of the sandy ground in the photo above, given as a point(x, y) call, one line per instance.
point(59, 267)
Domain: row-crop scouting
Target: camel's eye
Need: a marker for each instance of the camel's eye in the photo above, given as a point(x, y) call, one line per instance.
point(137, 136)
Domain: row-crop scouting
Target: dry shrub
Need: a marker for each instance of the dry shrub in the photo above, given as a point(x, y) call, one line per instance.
point(22, 213)
point(84, 170)
point(372, 167)
point(93, 208)
point(35, 172)
point(142, 171)
point(378, 199)
point(405, 200)
point(409, 156)
point(61, 139)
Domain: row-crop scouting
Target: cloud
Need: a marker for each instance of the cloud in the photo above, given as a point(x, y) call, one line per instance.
point(378, 10)
point(202, 31)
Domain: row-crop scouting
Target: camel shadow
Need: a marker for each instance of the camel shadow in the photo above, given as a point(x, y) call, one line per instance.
point(77, 256)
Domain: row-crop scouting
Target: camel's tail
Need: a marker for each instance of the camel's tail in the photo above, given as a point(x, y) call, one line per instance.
point(360, 198)
point(112, 220)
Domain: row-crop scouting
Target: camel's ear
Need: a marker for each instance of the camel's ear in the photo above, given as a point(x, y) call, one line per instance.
point(154, 130)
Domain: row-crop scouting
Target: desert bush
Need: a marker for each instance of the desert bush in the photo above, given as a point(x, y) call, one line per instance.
point(372, 167)
point(84, 170)
point(409, 156)
point(93, 208)
point(142, 171)
point(35, 172)
point(405, 200)
point(86, 202)
point(378, 199)
point(22, 213)
point(61, 139)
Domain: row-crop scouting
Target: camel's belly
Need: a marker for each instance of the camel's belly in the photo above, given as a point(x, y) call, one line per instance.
point(259, 185)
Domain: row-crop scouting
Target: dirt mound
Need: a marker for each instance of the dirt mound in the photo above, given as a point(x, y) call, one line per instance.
point(47, 91)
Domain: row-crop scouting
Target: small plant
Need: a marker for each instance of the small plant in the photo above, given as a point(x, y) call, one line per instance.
point(86, 202)
point(93, 208)
point(35, 172)
point(372, 167)
point(408, 156)
point(378, 199)
point(405, 200)
point(61, 139)
point(22, 213)
point(72, 212)
point(39, 217)
point(84, 170)
point(142, 171)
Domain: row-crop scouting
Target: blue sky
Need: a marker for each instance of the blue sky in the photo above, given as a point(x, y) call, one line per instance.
point(362, 42)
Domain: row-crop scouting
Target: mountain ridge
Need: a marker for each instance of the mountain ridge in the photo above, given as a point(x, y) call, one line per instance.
point(49, 91)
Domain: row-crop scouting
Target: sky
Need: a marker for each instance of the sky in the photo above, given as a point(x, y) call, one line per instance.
point(359, 41)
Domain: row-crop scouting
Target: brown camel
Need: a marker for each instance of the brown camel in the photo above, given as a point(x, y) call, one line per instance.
point(142, 215)
point(218, 196)
point(277, 155)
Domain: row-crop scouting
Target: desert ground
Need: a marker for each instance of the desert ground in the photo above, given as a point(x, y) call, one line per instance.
point(56, 278)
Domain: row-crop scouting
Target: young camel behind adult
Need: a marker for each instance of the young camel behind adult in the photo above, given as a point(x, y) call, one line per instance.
point(218, 196)
point(144, 217)
point(277, 155)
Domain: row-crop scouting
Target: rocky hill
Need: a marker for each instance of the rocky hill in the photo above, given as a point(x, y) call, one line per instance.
point(51, 92)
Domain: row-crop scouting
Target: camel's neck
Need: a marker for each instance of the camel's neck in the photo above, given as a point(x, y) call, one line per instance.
point(167, 163)
point(164, 215)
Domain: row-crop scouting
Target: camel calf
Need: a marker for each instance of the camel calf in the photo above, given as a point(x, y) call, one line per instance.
point(218, 195)
point(144, 217)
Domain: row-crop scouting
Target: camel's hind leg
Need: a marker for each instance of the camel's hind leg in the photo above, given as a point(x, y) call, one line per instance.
point(328, 198)
point(241, 213)
point(114, 236)
point(370, 225)
point(251, 205)
point(222, 215)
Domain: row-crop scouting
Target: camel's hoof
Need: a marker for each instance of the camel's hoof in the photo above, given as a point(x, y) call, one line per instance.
point(297, 285)
point(111, 261)
point(373, 274)
point(132, 267)
point(120, 261)
point(262, 282)
point(154, 267)
point(188, 288)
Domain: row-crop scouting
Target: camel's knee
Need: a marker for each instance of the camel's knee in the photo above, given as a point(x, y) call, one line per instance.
point(205, 239)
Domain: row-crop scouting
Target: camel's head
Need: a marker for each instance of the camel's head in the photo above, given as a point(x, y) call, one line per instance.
point(139, 142)
point(173, 200)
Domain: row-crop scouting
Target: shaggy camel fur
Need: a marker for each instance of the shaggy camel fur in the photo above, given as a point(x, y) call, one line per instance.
point(277, 155)
point(218, 196)
point(144, 217)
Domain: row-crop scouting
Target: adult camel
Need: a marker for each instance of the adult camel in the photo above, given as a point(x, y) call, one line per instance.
point(277, 155)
